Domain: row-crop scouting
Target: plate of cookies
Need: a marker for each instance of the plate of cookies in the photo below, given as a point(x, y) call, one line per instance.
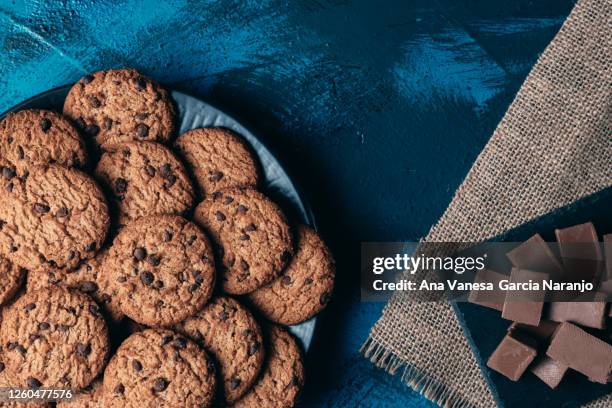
point(153, 253)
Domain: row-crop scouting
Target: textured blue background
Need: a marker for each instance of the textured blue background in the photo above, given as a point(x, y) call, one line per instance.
point(377, 107)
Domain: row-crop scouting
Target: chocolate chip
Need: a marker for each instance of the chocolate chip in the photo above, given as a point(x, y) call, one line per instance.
point(216, 176)
point(63, 328)
point(30, 307)
point(165, 170)
point(1, 367)
point(33, 383)
point(41, 208)
point(136, 365)
point(9, 139)
point(127, 152)
point(11, 346)
point(286, 280)
point(253, 349)
point(285, 256)
point(91, 247)
point(105, 298)
point(146, 278)
point(166, 340)
point(154, 260)
point(119, 389)
point(121, 279)
point(92, 130)
point(228, 200)
point(140, 253)
point(142, 130)
point(2, 224)
point(8, 173)
point(244, 237)
point(223, 316)
point(88, 287)
point(20, 153)
point(87, 79)
point(150, 170)
point(121, 185)
point(191, 239)
point(160, 384)
point(308, 281)
point(140, 83)
point(193, 287)
point(220, 216)
point(295, 381)
point(94, 102)
point(83, 349)
point(167, 236)
point(235, 383)
point(158, 284)
point(215, 195)
point(21, 349)
point(13, 248)
point(244, 265)
point(250, 228)
point(9, 187)
point(94, 310)
point(43, 326)
point(62, 212)
point(324, 299)
point(45, 125)
point(142, 115)
point(241, 209)
point(171, 179)
point(180, 343)
point(108, 123)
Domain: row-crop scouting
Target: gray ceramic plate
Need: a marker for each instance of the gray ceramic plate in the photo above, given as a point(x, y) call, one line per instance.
point(194, 113)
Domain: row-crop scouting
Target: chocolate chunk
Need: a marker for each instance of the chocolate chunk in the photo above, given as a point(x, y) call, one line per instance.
point(540, 333)
point(121, 185)
point(241, 209)
point(192, 288)
point(41, 208)
point(33, 383)
point(62, 212)
point(45, 125)
point(220, 216)
point(191, 239)
point(524, 306)
point(150, 170)
point(43, 326)
point(580, 311)
point(154, 260)
point(2, 367)
point(582, 352)
point(244, 237)
point(580, 252)
point(8, 173)
point(94, 102)
point(228, 200)
point(308, 281)
point(9, 187)
point(146, 277)
point(512, 356)
point(180, 343)
point(142, 130)
point(158, 284)
point(83, 349)
point(167, 236)
point(493, 299)
point(165, 170)
point(286, 280)
point(108, 123)
point(550, 371)
point(136, 365)
point(30, 307)
point(160, 384)
point(250, 228)
point(87, 79)
point(536, 255)
point(140, 83)
point(140, 253)
point(244, 265)
point(119, 389)
point(253, 348)
point(20, 153)
point(223, 316)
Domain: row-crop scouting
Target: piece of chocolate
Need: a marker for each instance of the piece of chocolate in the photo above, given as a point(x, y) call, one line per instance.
point(512, 356)
point(585, 313)
point(493, 299)
point(535, 254)
point(525, 306)
point(580, 252)
point(582, 352)
point(548, 370)
point(606, 280)
point(540, 333)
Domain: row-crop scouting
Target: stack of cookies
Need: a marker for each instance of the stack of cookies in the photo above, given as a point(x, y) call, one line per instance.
point(115, 283)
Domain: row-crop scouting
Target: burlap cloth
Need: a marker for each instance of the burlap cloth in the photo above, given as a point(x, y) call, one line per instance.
point(553, 146)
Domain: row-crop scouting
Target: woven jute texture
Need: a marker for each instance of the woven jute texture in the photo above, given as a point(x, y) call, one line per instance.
point(553, 147)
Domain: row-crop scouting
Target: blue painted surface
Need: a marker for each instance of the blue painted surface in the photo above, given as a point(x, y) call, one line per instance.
point(378, 108)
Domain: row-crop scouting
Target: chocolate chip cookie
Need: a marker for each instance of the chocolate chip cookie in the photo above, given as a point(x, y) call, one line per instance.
point(87, 278)
point(162, 269)
point(11, 278)
point(54, 338)
point(251, 234)
point(230, 333)
point(144, 178)
point(34, 137)
point(283, 374)
point(120, 105)
point(305, 286)
point(159, 368)
point(218, 158)
point(89, 397)
point(57, 216)
point(6, 383)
